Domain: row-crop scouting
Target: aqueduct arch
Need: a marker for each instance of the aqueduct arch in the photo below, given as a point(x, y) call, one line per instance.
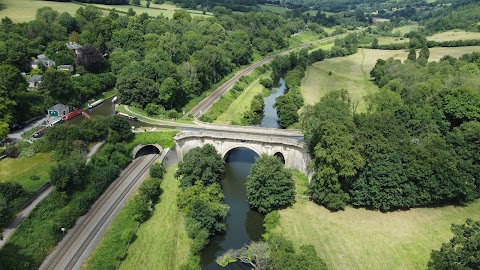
point(295, 153)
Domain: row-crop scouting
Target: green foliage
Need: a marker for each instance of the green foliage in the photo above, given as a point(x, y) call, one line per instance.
point(269, 185)
point(157, 170)
point(68, 175)
point(462, 250)
point(266, 82)
point(163, 138)
point(201, 164)
point(6, 213)
point(254, 115)
point(119, 129)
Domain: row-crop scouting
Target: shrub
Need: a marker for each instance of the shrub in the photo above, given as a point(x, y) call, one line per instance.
point(157, 170)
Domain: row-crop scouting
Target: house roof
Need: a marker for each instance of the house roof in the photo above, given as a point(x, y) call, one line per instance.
point(73, 45)
point(58, 107)
point(35, 78)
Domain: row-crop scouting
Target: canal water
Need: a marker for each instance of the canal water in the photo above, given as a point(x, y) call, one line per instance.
point(105, 109)
point(270, 118)
point(243, 224)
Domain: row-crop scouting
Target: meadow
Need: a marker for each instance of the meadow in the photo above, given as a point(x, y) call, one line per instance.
point(454, 35)
point(353, 72)
point(363, 239)
point(20, 170)
point(25, 10)
point(241, 104)
point(162, 241)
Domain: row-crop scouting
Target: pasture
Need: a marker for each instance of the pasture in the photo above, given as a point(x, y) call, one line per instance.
point(454, 35)
point(25, 10)
point(363, 239)
point(21, 170)
point(162, 241)
point(353, 72)
point(241, 104)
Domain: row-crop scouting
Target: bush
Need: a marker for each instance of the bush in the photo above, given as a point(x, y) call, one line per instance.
point(267, 82)
point(157, 170)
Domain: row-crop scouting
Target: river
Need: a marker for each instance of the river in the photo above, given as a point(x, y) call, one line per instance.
point(243, 224)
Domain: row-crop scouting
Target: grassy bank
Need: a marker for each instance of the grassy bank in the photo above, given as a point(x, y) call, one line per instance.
point(353, 72)
point(164, 138)
point(235, 111)
point(161, 242)
point(362, 239)
point(21, 170)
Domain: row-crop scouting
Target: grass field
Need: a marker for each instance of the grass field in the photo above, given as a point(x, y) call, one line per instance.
point(19, 170)
point(161, 242)
point(391, 40)
point(274, 9)
point(362, 239)
point(241, 104)
point(25, 10)
point(353, 72)
point(405, 29)
point(454, 35)
point(163, 138)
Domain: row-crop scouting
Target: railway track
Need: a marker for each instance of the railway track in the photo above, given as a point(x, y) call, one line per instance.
point(77, 244)
point(203, 106)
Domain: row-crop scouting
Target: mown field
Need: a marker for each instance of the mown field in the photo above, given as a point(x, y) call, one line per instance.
point(241, 104)
point(20, 170)
point(353, 72)
point(362, 239)
point(454, 35)
point(25, 10)
point(162, 241)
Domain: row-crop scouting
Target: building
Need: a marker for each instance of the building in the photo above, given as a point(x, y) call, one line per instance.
point(34, 81)
point(58, 110)
point(68, 68)
point(74, 46)
point(41, 60)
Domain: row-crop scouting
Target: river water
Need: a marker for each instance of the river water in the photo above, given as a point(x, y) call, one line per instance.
point(270, 118)
point(243, 224)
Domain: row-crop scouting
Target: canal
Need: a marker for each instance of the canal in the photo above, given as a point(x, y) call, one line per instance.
point(243, 224)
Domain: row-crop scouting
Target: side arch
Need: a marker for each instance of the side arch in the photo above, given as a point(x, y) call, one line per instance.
point(281, 156)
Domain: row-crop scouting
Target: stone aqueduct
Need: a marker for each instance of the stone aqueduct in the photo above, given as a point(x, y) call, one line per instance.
point(294, 152)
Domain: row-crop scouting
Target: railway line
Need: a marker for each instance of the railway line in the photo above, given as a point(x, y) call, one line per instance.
point(203, 106)
point(82, 238)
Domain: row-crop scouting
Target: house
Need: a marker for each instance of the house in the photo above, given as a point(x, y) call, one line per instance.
point(68, 68)
point(74, 46)
point(34, 81)
point(59, 110)
point(42, 60)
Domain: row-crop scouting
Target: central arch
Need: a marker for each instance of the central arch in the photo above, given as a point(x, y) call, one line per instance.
point(248, 158)
point(229, 149)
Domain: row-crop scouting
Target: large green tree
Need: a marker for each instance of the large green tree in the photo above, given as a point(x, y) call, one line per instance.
point(59, 86)
point(201, 164)
point(270, 185)
point(462, 252)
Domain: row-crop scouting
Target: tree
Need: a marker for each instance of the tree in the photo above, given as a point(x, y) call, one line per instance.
point(256, 255)
point(91, 58)
point(6, 213)
point(201, 164)
point(119, 129)
point(375, 43)
point(412, 55)
point(68, 175)
point(270, 185)
point(423, 56)
point(59, 86)
point(462, 252)
point(157, 170)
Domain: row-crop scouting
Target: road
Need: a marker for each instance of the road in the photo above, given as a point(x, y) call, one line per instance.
point(203, 106)
point(75, 247)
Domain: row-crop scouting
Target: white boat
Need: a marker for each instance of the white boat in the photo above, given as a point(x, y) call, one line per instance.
point(114, 100)
point(96, 103)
